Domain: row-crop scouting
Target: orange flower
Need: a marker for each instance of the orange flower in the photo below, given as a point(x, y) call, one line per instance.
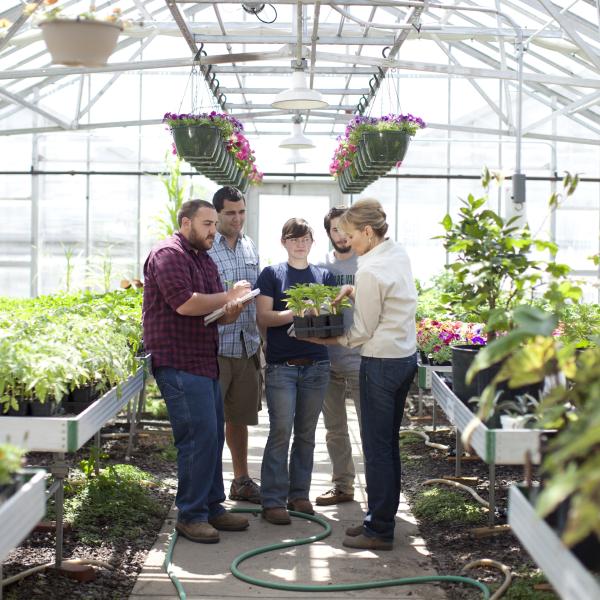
point(50, 2)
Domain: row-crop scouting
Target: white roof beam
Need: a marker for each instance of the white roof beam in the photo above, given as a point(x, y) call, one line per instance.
point(430, 125)
point(569, 108)
point(476, 86)
point(269, 90)
point(63, 123)
point(571, 30)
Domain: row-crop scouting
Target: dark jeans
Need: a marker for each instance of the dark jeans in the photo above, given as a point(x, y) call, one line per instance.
point(196, 414)
point(295, 399)
point(384, 385)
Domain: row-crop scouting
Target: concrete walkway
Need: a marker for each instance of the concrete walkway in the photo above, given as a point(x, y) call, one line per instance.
point(204, 569)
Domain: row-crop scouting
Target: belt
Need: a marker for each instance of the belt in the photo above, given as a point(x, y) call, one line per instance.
point(300, 362)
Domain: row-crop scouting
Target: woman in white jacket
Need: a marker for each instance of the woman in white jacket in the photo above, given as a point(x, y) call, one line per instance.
point(384, 326)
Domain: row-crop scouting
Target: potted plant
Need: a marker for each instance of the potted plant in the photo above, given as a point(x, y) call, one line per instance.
point(214, 143)
point(11, 459)
point(571, 464)
point(335, 318)
point(297, 301)
point(317, 294)
point(494, 273)
point(83, 40)
point(370, 147)
point(436, 338)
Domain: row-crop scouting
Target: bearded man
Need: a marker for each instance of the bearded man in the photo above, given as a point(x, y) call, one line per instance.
point(181, 286)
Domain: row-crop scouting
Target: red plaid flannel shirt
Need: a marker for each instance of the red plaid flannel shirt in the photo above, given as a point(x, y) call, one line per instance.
point(172, 273)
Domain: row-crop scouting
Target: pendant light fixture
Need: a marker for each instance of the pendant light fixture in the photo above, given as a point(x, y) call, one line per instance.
point(295, 158)
point(297, 141)
point(299, 96)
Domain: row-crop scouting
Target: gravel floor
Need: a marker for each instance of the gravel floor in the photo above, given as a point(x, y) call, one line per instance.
point(126, 557)
point(451, 547)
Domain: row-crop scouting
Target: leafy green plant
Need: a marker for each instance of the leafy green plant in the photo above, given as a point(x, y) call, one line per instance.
point(318, 294)
point(115, 505)
point(315, 298)
point(69, 252)
point(579, 323)
point(53, 344)
point(88, 465)
point(335, 308)
point(176, 190)
point(522, 587)
point(437, 505)
point(492, 264)
point(11, 459)
point(572, 463)
point(297, 299)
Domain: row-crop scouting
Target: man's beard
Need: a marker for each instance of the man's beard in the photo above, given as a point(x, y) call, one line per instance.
point(200, 243)
point(341, 249)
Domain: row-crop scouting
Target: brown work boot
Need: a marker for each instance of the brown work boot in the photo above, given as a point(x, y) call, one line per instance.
point(334, 496)
point(276, 515)
point(229, 522)
point(202, 532)
point(355, 530)
point(246, 489)
point(364, 542)
point(302, 505)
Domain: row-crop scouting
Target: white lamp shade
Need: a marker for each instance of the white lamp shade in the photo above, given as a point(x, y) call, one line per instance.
point(299, 96)
point(297, 141)
point(296, 158)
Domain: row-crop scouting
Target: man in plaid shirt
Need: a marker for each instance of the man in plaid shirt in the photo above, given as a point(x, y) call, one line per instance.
point(181, 286)
point(236, 258)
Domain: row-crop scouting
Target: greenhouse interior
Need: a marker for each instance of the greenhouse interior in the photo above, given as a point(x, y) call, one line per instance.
point(315, 280)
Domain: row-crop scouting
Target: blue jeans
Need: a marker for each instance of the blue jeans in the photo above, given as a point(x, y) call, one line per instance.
point(384, 385)
point(196, 414)
point(294, 399)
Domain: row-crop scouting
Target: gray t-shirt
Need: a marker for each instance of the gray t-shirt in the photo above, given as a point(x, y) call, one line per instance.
point(343, 359)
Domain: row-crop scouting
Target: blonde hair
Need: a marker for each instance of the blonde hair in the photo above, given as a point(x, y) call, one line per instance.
point(367, 211)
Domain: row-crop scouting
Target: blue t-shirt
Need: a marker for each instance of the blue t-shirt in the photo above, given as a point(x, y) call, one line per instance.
point(273, 281)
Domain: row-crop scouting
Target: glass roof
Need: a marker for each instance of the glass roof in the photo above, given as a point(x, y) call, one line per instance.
point(355, 51)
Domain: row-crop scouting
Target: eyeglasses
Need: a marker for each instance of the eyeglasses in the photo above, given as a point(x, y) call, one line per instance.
point(296, 241)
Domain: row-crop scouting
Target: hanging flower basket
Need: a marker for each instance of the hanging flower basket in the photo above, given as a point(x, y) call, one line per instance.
point(385, 148)
point(214, 144)
point(371, 146)
point(80, 42)
point(198, 144)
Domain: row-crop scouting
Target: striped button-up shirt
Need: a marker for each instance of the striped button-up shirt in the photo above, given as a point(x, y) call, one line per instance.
point(241, 338)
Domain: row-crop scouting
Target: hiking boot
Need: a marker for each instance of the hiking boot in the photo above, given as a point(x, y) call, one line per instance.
point(355, 530)
point(364, 542)
point(334, 496)
point(202, 532)
point(302, 505)
point(229, 522)
point(246, 490)
point(276, 515)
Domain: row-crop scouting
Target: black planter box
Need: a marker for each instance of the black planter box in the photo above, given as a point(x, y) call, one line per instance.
point(320, 328)
point(336, 325)
point(303, 327)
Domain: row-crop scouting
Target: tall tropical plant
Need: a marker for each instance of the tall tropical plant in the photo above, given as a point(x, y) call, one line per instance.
point(176, 189)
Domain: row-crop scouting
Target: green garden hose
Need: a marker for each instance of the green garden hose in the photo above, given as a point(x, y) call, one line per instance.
point(293, 587)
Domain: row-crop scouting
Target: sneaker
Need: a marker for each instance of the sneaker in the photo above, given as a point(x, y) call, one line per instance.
point(246, 490)
point(355, 530)
point(229, 522)
point(334, 496)
point(276, 515)
point(202, 533)
point(364, 542)
point(302, 505)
